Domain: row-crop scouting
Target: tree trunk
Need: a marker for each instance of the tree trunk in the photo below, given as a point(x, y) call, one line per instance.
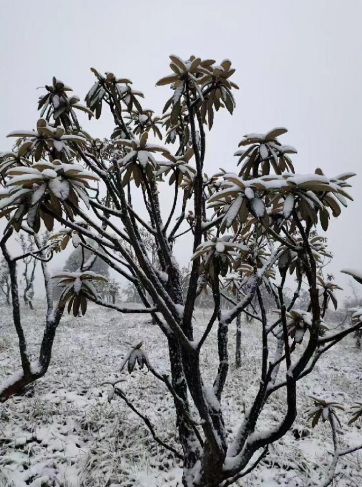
point(213, 474)
point(238, 342)
point(238, 337)
point(358, 338)
point(188, 437)
point(29, 376)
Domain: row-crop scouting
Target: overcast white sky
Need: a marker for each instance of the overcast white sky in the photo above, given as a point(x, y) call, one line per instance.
point(298, 65)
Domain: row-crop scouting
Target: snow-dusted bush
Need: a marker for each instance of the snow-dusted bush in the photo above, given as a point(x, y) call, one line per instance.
point(250, 228)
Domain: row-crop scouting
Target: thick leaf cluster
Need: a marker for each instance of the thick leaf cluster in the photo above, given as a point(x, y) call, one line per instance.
point(274, 198)
point(138, 161)
point(108, 85)
point(31, 191)
point(298, 323)
point(48, 141)
point(328, 288)
point(179, 166)
point(78, 288)
point(323, 409)
point(218, 255)
point(209, 83)
point(145, 121)
point(135, 356)
point(265, 152)
point(57, 104)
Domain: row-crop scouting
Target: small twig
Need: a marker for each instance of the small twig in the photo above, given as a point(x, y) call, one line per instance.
point(332, 471)
point(149, 425)
point(121, 310)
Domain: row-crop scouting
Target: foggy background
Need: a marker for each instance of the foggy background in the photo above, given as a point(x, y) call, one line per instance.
point(298, 65)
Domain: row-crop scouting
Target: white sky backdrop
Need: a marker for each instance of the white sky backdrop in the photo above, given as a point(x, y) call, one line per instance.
point(298, 65)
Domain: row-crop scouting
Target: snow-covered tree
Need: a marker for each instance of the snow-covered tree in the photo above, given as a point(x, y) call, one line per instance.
point(259, 222)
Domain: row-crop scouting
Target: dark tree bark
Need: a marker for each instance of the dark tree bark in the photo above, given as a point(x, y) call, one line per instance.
point(238, 342)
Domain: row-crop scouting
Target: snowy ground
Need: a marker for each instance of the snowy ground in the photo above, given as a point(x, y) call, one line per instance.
point(64, 432)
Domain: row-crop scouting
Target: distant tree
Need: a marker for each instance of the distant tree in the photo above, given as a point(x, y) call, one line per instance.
point(352, 302)
point(131, 294)
point(28, 247)
point(114, 289)
point(259, 222)
point(303, 300)
point(74, 262)
point(354, 297)
point(5, 285)
point(109, 290)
